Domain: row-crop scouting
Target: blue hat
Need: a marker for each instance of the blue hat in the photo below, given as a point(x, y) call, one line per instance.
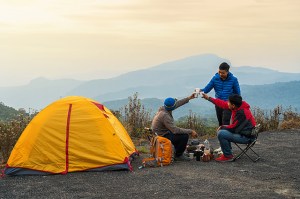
point(170, 103)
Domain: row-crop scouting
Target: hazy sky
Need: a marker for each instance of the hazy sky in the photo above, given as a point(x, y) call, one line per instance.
point(90, 39)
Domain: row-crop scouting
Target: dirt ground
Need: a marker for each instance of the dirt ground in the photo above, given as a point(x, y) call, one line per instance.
point(275, 175)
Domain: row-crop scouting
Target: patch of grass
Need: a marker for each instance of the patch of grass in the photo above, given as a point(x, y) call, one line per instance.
point(290, 124)
point(277, 119)
point(143, 149)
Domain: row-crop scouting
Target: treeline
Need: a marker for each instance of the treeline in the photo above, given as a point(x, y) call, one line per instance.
point(10, 131)
point(7, 113)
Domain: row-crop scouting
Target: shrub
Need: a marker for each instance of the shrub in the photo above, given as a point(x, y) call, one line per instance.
point(10, 132)
point(268, 119)
point(291, 120)
point(278, 118)
point(135, 117)
point(290, 124)
point(194, 122)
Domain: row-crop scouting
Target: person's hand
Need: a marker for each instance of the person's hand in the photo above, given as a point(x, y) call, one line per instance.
point(205, 96)
point(194, 134)
point(191, 96)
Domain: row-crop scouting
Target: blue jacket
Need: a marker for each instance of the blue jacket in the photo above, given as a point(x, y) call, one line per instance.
point(223, 88)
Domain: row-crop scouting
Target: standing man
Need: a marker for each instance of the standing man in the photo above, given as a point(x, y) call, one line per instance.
point(163, 124)
point(224, 84)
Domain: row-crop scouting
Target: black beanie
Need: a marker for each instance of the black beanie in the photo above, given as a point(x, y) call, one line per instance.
point(224, 66)
point(235, 99)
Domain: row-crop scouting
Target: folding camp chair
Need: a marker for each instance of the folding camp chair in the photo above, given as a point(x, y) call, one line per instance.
point(244, 151)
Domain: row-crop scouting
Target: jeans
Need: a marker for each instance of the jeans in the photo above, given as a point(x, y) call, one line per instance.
point(223, 116)
point(179, 141)
point(226, 137)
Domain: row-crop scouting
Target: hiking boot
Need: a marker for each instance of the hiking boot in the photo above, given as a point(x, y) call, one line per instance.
point(182, 158)
point(224, 158)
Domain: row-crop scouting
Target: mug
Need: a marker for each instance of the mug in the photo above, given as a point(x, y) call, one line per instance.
point(197, 92)
point(205, 157)
point(198, 154)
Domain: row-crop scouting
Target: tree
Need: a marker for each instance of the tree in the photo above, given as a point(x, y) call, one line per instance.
point(10, 132)
point(135, 117)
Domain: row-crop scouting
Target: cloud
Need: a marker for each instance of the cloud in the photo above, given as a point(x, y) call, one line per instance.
point(88, 35)
point(131, 16)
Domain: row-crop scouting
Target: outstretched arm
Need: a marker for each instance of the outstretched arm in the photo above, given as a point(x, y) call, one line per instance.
point(209, 86)
point(184, 101)
point(220, 103)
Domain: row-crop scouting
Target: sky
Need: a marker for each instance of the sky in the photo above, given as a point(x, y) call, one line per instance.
point(95, 39)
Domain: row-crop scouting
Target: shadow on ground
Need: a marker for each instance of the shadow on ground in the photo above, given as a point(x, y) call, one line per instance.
point(275, 175)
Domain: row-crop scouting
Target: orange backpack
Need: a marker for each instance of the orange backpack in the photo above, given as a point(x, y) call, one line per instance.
point(161, 152)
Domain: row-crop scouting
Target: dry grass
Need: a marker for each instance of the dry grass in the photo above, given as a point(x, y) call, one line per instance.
point(277, 119)
point(290, 124)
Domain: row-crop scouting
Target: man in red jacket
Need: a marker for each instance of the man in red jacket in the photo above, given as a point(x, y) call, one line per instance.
point(241, 124)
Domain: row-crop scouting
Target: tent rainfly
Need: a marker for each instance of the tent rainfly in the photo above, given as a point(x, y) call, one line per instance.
point(71, 134)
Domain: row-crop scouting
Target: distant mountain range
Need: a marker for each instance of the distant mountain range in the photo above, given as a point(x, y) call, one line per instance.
point(260, 86)
point(265, 97)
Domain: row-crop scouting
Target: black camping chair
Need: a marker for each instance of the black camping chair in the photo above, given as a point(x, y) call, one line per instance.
point(249, 146)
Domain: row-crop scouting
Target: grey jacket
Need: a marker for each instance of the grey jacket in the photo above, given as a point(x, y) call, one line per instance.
point(163, 121)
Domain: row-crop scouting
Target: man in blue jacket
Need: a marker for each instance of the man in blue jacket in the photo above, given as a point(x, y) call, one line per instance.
point(224, 84)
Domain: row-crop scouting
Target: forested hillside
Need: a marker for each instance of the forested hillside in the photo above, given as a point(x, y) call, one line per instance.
point(6, 112)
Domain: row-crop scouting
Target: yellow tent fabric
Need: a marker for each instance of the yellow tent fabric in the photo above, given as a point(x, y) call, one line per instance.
point(72, 134)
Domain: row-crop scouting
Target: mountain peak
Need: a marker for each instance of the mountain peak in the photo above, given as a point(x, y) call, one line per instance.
point(39, 80)
point(202, 61)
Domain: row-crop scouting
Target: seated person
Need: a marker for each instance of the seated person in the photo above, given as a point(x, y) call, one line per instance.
point(241, 124)
point(163, 125)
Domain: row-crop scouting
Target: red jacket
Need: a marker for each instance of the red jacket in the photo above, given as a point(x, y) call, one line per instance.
point(242, 120)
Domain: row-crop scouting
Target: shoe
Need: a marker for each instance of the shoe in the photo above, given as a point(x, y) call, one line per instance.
point(182, 158)
point(224, 158)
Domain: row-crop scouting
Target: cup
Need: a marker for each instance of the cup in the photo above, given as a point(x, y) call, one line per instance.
point(197, 92)
point(205, 157)
point(191, 155)
point(206, 151)
point(198, 154)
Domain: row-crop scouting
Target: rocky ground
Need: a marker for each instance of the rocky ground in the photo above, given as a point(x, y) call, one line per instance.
point(275, 175)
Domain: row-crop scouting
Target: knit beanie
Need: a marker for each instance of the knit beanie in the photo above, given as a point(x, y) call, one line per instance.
point(170, 103)
point(236, 100)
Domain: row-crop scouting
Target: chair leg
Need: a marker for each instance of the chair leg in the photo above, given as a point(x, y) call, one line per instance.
point(244, 152)
point(257, 157)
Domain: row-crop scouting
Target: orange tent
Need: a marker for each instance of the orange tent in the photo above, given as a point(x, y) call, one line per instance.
point(72, 134)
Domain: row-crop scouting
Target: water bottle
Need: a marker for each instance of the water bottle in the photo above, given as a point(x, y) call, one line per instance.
point(207, 147)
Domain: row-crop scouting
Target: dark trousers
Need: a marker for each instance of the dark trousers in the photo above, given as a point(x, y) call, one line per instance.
point(223, 116)
point(179, 141)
